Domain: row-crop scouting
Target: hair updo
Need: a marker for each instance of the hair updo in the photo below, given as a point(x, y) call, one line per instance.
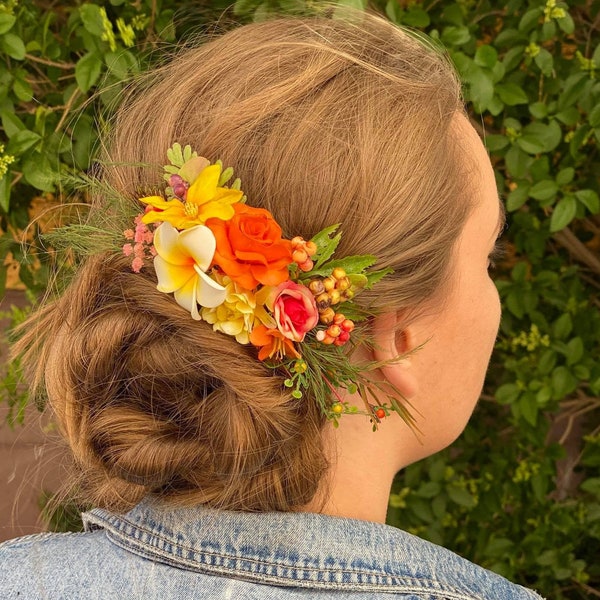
point(325, 121)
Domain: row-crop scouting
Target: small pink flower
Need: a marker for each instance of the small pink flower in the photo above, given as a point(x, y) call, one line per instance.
point(128, 233)
point(127, 249)
point(138, 250)
point(137, 264)
point(295, 310)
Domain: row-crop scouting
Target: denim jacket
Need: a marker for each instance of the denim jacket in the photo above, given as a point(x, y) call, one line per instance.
point(153, 552)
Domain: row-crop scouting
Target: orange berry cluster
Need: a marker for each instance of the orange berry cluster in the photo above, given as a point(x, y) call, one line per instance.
point(302, 252)
point(329, 291)
point(338, 332)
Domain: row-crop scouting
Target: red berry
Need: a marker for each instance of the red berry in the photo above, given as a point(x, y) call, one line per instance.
point(344, 337)
point(347, 325)
point(380, 413)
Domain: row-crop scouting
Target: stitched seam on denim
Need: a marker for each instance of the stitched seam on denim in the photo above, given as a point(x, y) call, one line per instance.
point(399, 587)
point(397, 583)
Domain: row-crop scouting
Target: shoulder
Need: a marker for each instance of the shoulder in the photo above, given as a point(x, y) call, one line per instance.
point(55, 565)
point(446, 574)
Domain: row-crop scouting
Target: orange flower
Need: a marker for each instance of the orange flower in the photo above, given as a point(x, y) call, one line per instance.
point(250, 248)
point(272, 343)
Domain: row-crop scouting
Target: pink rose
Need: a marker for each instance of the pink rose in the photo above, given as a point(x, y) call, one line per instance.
point(295, 310)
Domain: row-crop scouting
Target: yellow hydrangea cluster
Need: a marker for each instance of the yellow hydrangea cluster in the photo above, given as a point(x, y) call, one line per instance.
point(240, 312)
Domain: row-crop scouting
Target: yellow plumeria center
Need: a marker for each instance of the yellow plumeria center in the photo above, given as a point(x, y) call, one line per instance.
point(190, 209)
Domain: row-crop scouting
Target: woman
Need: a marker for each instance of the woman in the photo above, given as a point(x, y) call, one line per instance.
point(217, 473)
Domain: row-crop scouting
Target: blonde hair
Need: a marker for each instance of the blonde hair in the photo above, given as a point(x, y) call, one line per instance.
point(326, 121)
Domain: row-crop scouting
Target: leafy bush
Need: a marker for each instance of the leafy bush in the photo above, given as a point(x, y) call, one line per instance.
point(520, 491)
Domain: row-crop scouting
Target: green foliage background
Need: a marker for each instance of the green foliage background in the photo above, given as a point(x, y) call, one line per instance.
point(520, 491)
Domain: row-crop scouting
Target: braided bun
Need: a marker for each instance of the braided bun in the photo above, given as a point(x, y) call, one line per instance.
point(153, 402)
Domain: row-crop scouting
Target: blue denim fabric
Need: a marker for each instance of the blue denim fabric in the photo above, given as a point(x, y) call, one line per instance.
point(200, 553)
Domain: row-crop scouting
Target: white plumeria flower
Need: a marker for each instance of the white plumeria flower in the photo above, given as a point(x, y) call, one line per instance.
point(181, 261)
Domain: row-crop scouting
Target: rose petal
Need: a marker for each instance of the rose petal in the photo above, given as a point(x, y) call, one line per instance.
point(209, 293)
point(171, 277)
point(199, 243)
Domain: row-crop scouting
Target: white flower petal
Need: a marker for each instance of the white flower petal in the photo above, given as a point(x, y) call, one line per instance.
point(186, 297)
point(209, 292)
point(172, 277)
point(199, 242)
point(166, 242)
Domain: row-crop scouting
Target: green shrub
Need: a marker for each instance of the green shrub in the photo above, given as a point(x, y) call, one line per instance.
point(520, 491)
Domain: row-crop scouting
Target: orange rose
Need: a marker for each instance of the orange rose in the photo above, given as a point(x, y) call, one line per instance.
point(250, 249)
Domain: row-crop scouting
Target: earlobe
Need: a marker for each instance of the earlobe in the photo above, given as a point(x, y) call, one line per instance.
point(391, 342)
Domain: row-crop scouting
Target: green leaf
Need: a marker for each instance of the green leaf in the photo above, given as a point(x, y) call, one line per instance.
point(564, 212)
point(513, 58)
point(486, 56)
point(575, 350)
point(511, 94)
point(5, 193)
point(326, 244)
point(455, 36)
point(529, 409)
point(13, 45)
point(538, 110)
point(544, 190)
point(565, 176)
point(23, 91)
point(38, 173)
point(567, 24)
point(415, 16)
point(563, 382)
point(517, 162)
point(6, 22)
point(429, 489)
point(11, 123)
point(592, 486)
point(87, 71)
point(538, 137)
point(22, 141)
point(530, 19)
point(562, 327)
point(594, 116)
point(461, 497)
point(91, 18)
point(589, 198)
point(544, 61)
point(508, 393)
point(481, 88)
point(351, 264)
point(495, 142)
point(374, 277)
point(572, 90)
point(517, 197)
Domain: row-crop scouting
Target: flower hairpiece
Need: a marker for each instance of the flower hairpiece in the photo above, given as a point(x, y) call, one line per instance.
point(229, 265)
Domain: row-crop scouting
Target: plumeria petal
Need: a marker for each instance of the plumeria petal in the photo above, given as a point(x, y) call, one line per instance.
point(171, 277)
point(168, 245)
point(199, 243)
point(186, 297)
point(209, 293)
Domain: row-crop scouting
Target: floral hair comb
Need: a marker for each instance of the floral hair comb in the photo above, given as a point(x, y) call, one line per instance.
point(228, 264)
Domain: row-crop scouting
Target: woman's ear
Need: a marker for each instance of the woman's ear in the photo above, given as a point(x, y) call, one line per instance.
point(390, 342)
